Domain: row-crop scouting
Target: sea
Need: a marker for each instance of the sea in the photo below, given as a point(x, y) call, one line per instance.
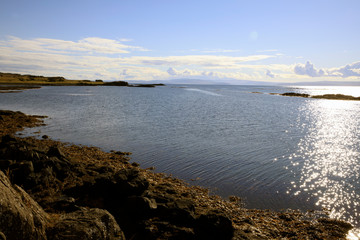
point(274, 152)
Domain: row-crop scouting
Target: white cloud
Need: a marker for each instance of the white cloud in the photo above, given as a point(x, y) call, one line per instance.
point(308, 69)
point(92, 45)
point(350, 70)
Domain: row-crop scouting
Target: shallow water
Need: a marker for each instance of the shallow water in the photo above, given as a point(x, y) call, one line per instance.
point(276, 152)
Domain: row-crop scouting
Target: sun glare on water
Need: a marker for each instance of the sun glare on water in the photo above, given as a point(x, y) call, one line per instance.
point(329, 158)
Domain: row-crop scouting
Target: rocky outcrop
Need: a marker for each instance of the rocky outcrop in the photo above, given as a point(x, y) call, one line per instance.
point(86, 224)
point(21, 217)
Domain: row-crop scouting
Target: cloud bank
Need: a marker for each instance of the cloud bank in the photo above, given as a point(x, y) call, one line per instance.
point(93, 58)
point(350, 70)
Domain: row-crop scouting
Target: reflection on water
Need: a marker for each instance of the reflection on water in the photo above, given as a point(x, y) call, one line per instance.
point(329, 158)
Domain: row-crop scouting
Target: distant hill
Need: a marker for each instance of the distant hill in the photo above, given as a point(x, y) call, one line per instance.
point(205, 82)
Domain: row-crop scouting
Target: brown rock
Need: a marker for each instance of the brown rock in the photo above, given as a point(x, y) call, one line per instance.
point(86, 224)
point(21, 216)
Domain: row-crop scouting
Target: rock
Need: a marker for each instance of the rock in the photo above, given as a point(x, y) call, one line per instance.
point(293, 94)
point(178, 212)
point(86, 224)
point(5, 164)
point(21, 216)
point(56, 152)
point(157, 229)
point(20, 171)
point(108, 190)
point(130, 182)
point(135, 164)
point(214, 225)
point(63, 203)
point(2, 236)
point(8, 138)
point(139, 205)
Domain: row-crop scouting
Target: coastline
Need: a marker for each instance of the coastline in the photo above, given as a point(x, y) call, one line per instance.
point(67, 179)
point(11, 82)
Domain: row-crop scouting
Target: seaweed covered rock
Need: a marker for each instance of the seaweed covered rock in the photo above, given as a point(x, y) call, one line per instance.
point(32, 167)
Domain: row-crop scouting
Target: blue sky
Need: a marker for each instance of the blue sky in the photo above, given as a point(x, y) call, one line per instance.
point(273, 41)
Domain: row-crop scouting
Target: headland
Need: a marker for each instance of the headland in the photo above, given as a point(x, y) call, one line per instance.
point(10, 82)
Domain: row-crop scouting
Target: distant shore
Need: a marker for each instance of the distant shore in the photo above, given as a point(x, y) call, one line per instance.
point(74, 188)
point(25, 81)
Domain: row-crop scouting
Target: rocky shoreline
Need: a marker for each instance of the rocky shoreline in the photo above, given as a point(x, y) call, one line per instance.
point(53, 190)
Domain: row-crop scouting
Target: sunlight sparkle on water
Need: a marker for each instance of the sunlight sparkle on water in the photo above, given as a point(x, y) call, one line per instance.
point(329, 158)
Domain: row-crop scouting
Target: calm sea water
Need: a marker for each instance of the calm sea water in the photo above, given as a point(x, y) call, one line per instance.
point(276, 152)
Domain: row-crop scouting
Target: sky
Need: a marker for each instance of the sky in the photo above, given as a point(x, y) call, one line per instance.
point(228, 40)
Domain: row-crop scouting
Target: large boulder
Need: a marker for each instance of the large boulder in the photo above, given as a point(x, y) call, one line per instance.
point(214, 225)
point(86, 224)
point(21, 217)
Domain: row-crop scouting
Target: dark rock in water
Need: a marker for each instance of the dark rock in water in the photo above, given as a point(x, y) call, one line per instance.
point(214, 225)
point(293, 94)
point(143, 85)
point(21, 217)
point(45, 137)
point(86, 224)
